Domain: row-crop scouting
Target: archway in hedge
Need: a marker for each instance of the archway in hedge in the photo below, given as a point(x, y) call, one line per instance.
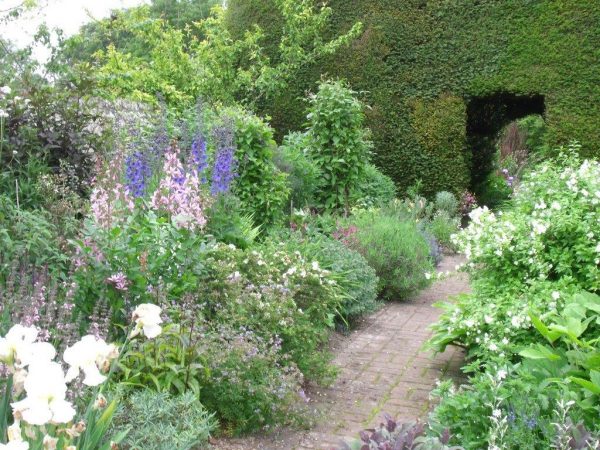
point(486, 117)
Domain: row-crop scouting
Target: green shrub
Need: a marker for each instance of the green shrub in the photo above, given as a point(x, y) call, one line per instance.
point(442, 226)
point(161, 421)
point(228, 225)
point(338, 143)
point(274, 293)
point(528, 266)
point(304, 177)
point(247, 383)
point(494, 192)
point(396, 250)
point(355, 278)
point(375, 189)
point(260, 186)
point(536, 134)
point(447, 202)
point(29, 236)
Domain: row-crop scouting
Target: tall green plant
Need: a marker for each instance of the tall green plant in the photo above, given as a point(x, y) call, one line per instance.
point(260, 186)
point(338, 142)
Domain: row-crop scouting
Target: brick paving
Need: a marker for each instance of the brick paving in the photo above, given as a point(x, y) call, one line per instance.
point(383, 368)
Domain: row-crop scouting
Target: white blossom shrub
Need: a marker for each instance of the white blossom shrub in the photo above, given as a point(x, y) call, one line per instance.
point(544, 247)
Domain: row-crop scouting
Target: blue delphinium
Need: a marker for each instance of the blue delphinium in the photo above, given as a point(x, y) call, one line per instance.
point(225, 164)
point(137, 173)
point(223, 171)
point(199, 158)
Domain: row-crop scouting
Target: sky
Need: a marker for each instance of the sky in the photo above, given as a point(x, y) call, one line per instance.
point(68, 15)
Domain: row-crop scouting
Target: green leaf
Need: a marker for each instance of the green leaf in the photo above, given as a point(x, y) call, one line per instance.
point(539, 352)
point(590, 386)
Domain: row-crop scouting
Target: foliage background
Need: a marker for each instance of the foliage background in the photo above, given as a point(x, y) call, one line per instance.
point(418, 65)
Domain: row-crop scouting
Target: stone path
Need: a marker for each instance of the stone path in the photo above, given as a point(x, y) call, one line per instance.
point(383, 369)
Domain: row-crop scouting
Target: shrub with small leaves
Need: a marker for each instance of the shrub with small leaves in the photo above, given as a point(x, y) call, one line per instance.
point(396, 250)
point(163, 421)
point(446, 201)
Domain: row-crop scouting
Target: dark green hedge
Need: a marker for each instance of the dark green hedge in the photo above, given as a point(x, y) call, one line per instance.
point(419, 62)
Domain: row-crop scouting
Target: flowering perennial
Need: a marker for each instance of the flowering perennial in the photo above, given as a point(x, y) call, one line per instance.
point(32, 369)
point(180, 194)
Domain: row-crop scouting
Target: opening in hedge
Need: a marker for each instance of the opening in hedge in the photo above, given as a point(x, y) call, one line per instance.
point(486, 117)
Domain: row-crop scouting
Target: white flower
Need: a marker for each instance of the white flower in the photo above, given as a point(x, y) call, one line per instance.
point(18, 348)
point(3, 114)
point(555, 295)
point(46, 389)
point(496, 413)
point(6, 90)
point(89, 355)
point(539, 227)
point(493, 347)
point(147, 319)
point(489, 319)
point(49, 442)
point(427, 276)
point(555, 205)
point(502, 374)
point(315, 265)
point(14, 432)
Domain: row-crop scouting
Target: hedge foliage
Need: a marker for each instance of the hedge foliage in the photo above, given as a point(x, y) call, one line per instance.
point(419, 63)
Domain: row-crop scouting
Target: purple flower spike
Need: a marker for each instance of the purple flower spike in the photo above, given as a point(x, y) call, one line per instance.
point(137, 173)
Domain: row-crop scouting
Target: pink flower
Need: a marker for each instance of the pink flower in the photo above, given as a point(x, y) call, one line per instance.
point(180, 195)
point(119, 281)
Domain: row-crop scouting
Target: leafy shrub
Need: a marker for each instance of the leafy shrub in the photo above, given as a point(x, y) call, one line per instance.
point(228, 225)
point(149, 255)
point(495, 191)
point(548, 233)
point(571, 358)
point(161, 421)
point(375, 189)
point(338, 143)
point(355, 278)
point(260, 186)
point(536, 134)
point(304, 177)
point(273, 292)
point(447, 202)
point(524, 406)
point(29, 236)
point(248, 385)
point(53, 124)
point(396, 250)
point(442, 226)
point(529, 265)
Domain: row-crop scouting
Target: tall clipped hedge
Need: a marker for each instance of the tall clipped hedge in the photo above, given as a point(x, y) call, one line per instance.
point(419, 62)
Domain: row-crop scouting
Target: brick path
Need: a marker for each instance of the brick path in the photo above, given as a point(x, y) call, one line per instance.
point(383, 369)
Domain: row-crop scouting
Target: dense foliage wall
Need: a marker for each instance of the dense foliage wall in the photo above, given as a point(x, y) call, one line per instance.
point(420, 62)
